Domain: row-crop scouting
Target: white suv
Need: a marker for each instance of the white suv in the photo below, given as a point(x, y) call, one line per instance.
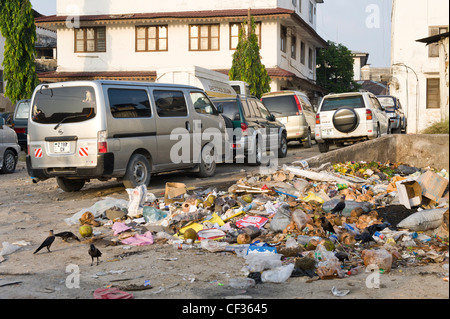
point(349, 117)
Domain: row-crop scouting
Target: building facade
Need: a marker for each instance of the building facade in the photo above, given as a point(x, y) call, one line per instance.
point(131, 40)
point(415, 66)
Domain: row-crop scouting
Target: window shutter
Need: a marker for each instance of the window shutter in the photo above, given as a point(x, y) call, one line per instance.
point(433, 94)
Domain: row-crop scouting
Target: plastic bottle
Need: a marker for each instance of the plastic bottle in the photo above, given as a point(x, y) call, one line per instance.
point(179, 246)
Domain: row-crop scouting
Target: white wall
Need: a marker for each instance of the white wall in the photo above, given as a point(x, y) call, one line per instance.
point(410, 21)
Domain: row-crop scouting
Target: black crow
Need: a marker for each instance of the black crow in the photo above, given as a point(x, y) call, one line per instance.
point(339, 207)
point(47, 242)
point(67, 235)
point(94, 253)
point(326, 225)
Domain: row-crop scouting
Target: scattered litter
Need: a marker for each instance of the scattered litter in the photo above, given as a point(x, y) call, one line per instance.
point(339, 293)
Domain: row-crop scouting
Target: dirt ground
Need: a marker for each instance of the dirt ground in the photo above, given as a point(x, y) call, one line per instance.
point(28, 211)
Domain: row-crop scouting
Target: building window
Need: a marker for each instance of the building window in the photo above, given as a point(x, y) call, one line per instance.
point(302, 52)
point(294, 47)
point(433, 93)
point(283, 37)
point(151, 38)
point(294, 3)
point(90, 39)
point(433, 48)
point(310, 59)
point(235, 28)
point(204, 37)
point(311, 12)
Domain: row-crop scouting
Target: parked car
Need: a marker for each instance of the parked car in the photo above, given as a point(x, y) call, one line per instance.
point(86, 130)
point(20, 122)
point(393, 107)
point(295, 111)
point(255, 129)
point(8, 117)
point(349, 117)
point(9, 149)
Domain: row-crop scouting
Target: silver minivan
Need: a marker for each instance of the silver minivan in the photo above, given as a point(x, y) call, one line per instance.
point(295, 111)
point(85, 130)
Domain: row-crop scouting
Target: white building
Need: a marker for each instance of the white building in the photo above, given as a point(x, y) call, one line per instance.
point(116, 39)
point(415, 66)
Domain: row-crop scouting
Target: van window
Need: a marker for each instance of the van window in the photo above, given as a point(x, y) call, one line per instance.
point(281, 105)
point(264, 112)
point(254, 110)
point(22, 110)
point(331, 104)
point(170, 103)
point(128, 103)
point(202, 104)
point(67, 104)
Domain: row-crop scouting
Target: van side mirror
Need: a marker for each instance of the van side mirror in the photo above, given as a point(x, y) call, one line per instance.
point(271, 118)
point(220, 108)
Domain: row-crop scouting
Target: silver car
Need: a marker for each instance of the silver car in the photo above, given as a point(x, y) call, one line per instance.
point(9, 149)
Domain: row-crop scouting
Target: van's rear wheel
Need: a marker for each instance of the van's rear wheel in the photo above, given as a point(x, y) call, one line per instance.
point(207, 166)
point(138, 172)
point(70, 185)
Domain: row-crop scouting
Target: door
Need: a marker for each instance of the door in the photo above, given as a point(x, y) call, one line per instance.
point(208, 126)
point(309, 112)
point(174, 127)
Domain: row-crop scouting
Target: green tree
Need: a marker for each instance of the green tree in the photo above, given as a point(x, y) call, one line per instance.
point(18, 27)
point(335, 69)
point(247, 64)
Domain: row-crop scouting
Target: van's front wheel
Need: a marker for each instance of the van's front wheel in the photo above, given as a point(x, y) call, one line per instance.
point(70, 185)
point(207, 166)
point(138, 172)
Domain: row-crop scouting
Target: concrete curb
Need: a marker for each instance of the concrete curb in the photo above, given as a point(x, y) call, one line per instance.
point(419, 150)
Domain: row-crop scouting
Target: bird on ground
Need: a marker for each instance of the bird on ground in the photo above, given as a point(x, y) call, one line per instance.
point(339, 207)
point(66, 235)
point(47, 242)
point(341, 256)
point(94, 253)
point(326, 225)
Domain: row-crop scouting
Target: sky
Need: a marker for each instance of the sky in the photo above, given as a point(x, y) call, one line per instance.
point(360, 25)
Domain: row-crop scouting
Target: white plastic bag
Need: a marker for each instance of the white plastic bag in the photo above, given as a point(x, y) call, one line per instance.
point(97, 209)
point(137, 198)
point(278, 275)
point(8, 249)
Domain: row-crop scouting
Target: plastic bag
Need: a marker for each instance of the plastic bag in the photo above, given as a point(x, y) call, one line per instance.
point(258, 262)
point(8, 249)
point(137, 198)
point(278, 275)
point(281, 219)
point(97, 209)
point(424, 220)
point(301, 218)
point(381, 257)
point(153, 215)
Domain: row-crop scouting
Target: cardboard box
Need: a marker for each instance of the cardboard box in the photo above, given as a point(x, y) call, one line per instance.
point(174, 192)
point(433, 186)
point(409, 193)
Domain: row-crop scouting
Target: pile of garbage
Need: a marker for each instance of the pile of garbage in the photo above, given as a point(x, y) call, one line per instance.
point(285, 223)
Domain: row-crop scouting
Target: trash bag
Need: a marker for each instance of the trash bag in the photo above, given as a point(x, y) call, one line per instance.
point(137, 198)
point(349, 206)
point(381, 258)
point(97, 209)
point(424, 220)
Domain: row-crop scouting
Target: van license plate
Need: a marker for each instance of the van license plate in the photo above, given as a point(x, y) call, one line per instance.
point(327, 132)
point(61, 147)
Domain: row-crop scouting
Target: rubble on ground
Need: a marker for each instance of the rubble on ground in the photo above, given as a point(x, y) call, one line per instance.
point(282, 223)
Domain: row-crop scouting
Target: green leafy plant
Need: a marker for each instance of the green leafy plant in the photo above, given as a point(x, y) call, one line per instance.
point(335, 69)
point(247, 64)
point(18, 27)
